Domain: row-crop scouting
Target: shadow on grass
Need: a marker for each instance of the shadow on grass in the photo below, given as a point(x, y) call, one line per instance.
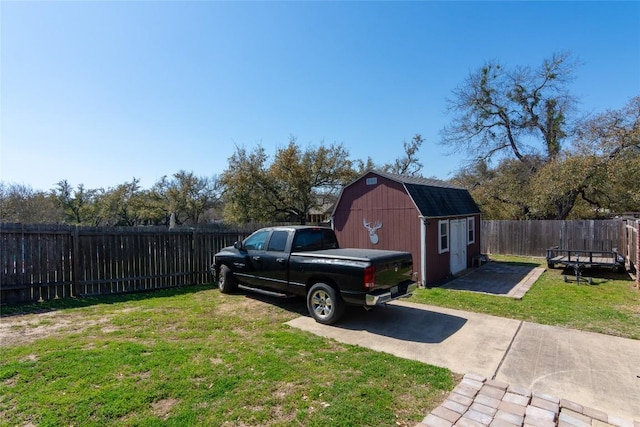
point(7, 310)
point(294, 304)
point(598, 275)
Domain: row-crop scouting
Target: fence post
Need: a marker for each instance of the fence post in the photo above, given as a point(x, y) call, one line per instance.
point(638, 253)
point(194, 258)
point(75, 262)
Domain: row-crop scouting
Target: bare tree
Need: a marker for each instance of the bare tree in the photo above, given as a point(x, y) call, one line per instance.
point(409, 164)
point(522, 113)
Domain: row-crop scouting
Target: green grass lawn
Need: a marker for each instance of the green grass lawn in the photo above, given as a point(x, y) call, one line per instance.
point(610, 305)
point(194, 356)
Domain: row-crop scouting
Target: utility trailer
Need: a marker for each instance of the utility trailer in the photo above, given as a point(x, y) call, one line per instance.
point(581, 259)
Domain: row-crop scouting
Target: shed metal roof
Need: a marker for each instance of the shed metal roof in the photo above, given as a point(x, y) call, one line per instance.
point(435, 201)
point(415, 180)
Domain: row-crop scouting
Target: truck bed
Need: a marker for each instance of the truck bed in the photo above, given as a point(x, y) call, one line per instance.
point(352, 254)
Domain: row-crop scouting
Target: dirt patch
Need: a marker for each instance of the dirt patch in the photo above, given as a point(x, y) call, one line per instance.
point(236, 305)
point(24, 329)
point(162, 407)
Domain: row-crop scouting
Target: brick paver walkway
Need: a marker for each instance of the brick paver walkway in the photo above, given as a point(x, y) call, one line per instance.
point(479, 402)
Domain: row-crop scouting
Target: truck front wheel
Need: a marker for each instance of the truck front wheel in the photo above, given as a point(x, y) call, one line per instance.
point(324, 304)
point(226, 281)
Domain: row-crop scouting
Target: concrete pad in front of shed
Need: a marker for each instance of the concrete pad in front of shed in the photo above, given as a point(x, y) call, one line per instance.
point(598, 371)
point(460, 341)
point(498, 278)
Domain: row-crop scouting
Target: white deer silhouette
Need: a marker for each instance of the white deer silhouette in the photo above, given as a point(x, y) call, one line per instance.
point(373, 235)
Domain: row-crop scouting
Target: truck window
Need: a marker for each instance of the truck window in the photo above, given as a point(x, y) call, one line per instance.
point(314, 239)
point(278, 241)
point(256, 241)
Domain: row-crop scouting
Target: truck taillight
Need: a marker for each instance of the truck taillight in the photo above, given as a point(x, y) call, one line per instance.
point(370, 277)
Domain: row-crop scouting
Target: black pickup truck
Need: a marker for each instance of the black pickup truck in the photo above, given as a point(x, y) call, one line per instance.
point(307, 261)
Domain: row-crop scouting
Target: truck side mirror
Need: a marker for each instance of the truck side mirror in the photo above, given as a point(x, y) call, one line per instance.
point(239, 246)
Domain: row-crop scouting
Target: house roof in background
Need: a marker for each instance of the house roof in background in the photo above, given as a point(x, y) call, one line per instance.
point(325, 208)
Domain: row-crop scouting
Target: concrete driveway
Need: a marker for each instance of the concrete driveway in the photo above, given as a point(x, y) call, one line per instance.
point(597, 371)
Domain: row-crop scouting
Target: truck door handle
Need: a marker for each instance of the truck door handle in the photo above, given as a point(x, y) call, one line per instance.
point(256, 258)
point(280, 261)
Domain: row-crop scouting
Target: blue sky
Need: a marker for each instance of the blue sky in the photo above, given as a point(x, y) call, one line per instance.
point(100, 92)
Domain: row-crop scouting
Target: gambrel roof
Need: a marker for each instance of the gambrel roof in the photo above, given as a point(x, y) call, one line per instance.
point(433, 198)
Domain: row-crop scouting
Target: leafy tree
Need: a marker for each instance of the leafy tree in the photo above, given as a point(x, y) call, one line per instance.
point(20, 203)
point(122, 205)
point(599, 175)
point(248, 190)
point(304, 178)
point(501, 192)
point(183, 199)
point(560, 184)
point(287, 188)
point(77, 204)
point(613, 138)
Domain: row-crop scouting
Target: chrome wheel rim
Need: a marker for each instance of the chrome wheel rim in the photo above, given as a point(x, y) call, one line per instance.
point(322, 304)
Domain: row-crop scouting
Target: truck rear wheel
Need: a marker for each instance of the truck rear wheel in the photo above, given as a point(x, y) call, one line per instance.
point(324, 304)
point(226, 281)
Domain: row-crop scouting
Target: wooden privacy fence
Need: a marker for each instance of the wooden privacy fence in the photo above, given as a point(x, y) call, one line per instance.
point(533, 238)
point(40, 262)
point(43, 262)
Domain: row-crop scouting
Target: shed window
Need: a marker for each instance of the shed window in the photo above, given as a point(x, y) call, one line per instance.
point(443, 236)
point(471, 229)
point(372, 181)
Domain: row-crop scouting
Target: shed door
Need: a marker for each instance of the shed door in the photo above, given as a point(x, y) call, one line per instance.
point(458, 250)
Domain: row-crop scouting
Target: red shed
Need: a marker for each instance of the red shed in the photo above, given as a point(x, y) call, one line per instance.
point(437, 222)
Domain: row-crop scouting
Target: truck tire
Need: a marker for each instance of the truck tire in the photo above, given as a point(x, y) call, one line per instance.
point(226, 280)
point(324, 304)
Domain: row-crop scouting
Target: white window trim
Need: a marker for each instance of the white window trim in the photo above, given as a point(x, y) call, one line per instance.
point(471, 227)
point(440, 249)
